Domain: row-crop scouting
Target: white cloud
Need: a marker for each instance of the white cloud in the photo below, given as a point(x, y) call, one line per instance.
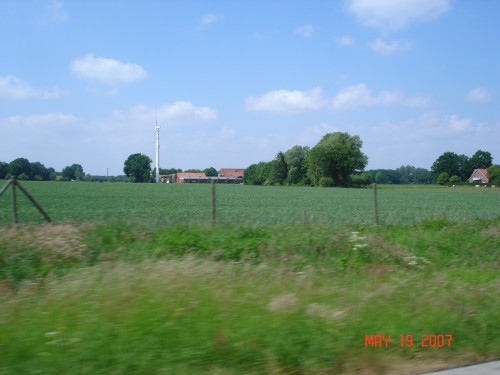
point(209, 18)
point(396, 14)
point(305, 31)
point(15, 88)
point(361, 96)
point(285, 101)
point(168, 114)
point(57, 11)
point(386, 48)
point(478, 95)
point(344, 41)
point(106, 69)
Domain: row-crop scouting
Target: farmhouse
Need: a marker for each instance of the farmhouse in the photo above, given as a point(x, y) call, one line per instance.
point(479, 176)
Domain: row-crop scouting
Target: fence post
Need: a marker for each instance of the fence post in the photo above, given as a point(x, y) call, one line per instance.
point(375, 203)
point(304, 216)
point(14, 201)
point(35, 203)
point(213, 202)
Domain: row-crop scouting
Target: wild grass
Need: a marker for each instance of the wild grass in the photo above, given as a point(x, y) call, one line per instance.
point(124, 298)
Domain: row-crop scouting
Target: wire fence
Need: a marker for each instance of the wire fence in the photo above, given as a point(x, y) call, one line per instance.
point(170, 204)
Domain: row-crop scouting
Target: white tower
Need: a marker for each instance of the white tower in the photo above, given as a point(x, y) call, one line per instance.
point(157, 129)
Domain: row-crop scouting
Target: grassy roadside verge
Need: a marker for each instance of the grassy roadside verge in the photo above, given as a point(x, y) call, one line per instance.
point(124, 299)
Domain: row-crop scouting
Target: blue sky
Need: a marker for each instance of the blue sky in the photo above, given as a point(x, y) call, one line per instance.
point(234, 82)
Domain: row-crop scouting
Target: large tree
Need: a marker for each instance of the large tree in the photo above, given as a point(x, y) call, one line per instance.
point(480, 159)
point(137, 167)
point(73, 172)
point(20, 166)
point(338, 155)
point(452, 164)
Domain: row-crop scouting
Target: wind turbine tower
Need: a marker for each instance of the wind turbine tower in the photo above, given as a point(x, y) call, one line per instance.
point(157, 129)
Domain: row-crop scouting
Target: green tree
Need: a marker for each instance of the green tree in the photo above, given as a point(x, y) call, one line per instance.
point(137, 167)
point(443, 178)
point(79, 174)
point(452, 164)
point(338, 155)
point(68, 173)
point(211, 172)
point(73, 172)
point(4, 170)
point(480, 159)
point(279, 170)
point(39, 172)
point(494, 174)
point(296, 158)
point(454, 179)
point(19, 166)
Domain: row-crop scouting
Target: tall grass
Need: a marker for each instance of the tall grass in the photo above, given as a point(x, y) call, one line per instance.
point(293, 299)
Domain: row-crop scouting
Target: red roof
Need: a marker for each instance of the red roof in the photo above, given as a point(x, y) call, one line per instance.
point(232, 172)
point(479, 175)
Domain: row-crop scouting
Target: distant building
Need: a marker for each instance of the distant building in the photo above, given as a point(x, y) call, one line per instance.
point(189, 177)
point(232, 172)
point(225, 176)
point(479, 176)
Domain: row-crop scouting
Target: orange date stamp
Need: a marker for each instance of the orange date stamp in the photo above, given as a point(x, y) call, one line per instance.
point(408, 340)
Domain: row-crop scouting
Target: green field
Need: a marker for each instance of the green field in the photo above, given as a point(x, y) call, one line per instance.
point(133, 279)
point(166, 204)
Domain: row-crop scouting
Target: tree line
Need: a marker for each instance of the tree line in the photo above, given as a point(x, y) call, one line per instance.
point(336, 160)
point(23, 169)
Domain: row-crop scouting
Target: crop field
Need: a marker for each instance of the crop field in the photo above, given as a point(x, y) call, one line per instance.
point(166, 204)
point(134, 279)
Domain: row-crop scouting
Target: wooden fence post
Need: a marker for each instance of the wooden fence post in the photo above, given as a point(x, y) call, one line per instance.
point(14, 201)
point(375, 203)
point(304, 216)
point(13, 182)
point(35, 203)
point(213, 202)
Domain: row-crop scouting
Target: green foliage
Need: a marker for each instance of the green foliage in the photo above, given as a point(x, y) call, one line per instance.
point(170, 170)
point(245, 300)
point(211, 172)
point(296, 161)
point(19, 166)
point(494, 174)
point(443, 178)
point(138, 168)
point(259, 174)
point(73, 172)
point(4, 169)
point(480, 159)
point(326, 182)
point(338, 155)
point(454, 179)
